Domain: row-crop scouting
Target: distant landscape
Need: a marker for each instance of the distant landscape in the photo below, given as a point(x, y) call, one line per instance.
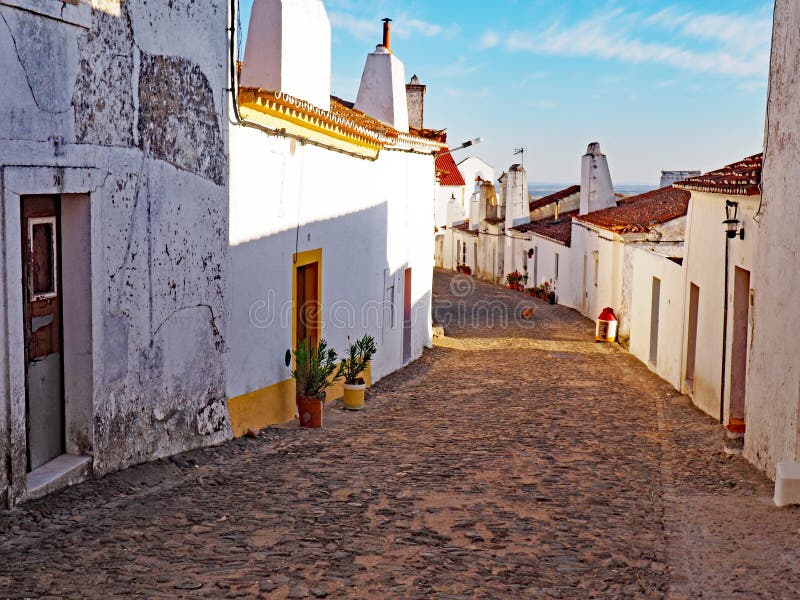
point(540, 190)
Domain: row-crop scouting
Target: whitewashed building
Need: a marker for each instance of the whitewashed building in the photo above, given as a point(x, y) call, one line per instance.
point(451, 196)
point(331, 212)
point(603, 242)
point(113, 187)
point(542, 246)
point(773, 403)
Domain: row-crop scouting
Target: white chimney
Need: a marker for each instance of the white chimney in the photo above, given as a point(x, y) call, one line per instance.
point(597, 191)
point(518, 209)
point(382, 93)
point(289, 50)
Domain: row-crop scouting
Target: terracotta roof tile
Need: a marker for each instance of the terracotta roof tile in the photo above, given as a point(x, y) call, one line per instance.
point(741, 179)
point(639, 214)
point(345, 109)
point(559, 230)
point(447, 171)
point(465, 228)
point(553, 198)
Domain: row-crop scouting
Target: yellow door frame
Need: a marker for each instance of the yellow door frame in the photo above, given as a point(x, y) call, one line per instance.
point(302, 259)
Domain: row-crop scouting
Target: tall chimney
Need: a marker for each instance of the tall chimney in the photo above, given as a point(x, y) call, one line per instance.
point(415, 94)
point(387, 34)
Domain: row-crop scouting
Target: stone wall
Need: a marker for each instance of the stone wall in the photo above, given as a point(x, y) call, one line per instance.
point(130, 95)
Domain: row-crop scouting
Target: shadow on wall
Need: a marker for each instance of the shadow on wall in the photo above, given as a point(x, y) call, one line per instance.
point(362, 292)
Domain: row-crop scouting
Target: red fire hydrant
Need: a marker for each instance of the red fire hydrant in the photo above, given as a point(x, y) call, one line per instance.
point(607, 324)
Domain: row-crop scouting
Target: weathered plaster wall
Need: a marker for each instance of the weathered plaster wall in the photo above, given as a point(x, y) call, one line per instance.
point(773, 427)
point(135, 94)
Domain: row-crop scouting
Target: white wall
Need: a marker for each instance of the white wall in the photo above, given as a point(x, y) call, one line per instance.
point(604, 282)
point(369, 218)
point(541, 266)
point(645, 266)
point(704, 263)
point(382, 93)
point(773, 427)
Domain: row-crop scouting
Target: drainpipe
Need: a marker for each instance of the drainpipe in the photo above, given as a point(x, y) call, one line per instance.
point(724, 333)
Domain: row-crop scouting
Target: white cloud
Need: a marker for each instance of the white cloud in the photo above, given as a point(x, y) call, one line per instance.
point(736, 45)
point(461, 67)
point(458, 93)
point(369, 30)
point(489, 40)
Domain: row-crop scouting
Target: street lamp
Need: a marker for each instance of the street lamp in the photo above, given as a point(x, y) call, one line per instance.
point(732, 223)
point(474, 142)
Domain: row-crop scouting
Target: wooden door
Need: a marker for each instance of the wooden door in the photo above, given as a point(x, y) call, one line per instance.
point(308, 307)
point(44, 404)
point(407, 317)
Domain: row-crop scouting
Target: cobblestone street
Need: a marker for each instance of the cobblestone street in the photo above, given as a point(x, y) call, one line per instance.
point(517, 459)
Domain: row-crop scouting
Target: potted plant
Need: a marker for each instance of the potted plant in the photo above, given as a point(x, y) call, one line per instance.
point(315, 368)
point(352, 367)
point(551, 297)
point(513, 280)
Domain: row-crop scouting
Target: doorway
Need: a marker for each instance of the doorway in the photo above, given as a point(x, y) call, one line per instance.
point(407, 317)
point(307, 302)
point(691, 346)
point(741, 322)
point(42, 317)
point(655, 310)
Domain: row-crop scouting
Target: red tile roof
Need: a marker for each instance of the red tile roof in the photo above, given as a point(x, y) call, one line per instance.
point(465, 228)
point(553, 198)
point(447, 170)
point(437, 135)
point(639, 214)
point(740, 179)
point(558, 230)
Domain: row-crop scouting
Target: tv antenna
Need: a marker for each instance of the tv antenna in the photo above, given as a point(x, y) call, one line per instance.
point(520, 152)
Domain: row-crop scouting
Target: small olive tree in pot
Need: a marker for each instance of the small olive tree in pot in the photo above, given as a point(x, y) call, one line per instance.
point(353, 368)
point(315, 368)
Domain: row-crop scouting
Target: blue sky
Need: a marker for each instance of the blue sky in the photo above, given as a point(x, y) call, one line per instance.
point(661, 85)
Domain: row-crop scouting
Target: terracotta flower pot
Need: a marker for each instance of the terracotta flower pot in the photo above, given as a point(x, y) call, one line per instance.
point(310, 411)
point(354, 396)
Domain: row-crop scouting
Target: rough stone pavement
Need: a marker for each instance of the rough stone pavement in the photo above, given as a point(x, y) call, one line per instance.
point(517, 459)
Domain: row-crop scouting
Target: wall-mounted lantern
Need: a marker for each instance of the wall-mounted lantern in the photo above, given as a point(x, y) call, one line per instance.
point(733, 226)
point(530, 252)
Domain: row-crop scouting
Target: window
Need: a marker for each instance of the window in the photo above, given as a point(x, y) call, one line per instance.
point(596, 256)
point(43, 244)
point(555, 267)
point(464, 253)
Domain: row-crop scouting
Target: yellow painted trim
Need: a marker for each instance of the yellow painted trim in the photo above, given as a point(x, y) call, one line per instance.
point(300, 260)
point(273, 115)
point(274, 405)
point(268, 406)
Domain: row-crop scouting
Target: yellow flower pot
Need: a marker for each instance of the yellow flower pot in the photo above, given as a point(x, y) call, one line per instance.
point(354, 396)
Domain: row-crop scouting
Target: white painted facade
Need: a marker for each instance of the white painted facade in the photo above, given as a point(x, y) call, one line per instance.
point(773, 402)
point(705, 268)
point(362, 215)
point(656, 321)
point(284, 200)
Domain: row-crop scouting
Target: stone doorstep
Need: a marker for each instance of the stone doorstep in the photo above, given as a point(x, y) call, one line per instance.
point(787, 484)
point(63, 471)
